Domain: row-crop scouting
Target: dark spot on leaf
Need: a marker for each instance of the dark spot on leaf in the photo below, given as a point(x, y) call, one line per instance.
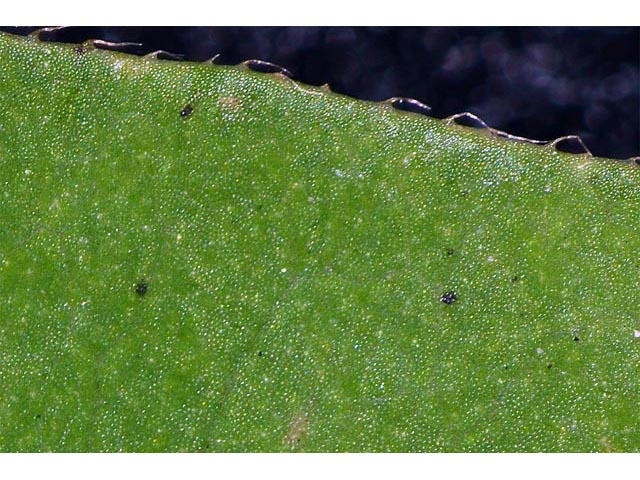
point(637, 160)
point(38, 416)
point(576, 338)
point(549, 366)
point(141, 288)
point(515, 279)
point(260, 354)
point(81, 49)
point(450, 251)
point(449, 297)
point(186, 111)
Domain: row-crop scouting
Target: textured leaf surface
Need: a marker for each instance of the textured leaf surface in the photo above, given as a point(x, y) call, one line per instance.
point(205, 258)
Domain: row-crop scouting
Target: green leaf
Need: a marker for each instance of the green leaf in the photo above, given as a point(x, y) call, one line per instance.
point(206, 258)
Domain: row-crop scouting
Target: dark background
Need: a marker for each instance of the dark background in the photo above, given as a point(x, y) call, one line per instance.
point(540, 83)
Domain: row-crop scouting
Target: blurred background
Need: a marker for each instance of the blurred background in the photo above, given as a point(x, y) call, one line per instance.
point(536, 82)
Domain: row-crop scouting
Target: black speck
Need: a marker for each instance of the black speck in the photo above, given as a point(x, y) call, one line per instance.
point(260, 354)
point(515, 279)
point(38, 416)
point(450, 251)
point(549, 366)
point(576, 338)
point(141, 288)
point(186, 111)
point(81, 49)
point(449, 297)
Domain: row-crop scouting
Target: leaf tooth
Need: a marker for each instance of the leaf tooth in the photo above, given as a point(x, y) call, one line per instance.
point(41, 35)
point(407, 104)
point(467, 119)
point(106, 45)
point(46, 30)
point(570, 144)
point(212, 60)
point(265, 67)
point(163, 55)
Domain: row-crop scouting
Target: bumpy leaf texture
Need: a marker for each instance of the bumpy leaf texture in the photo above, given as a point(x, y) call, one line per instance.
point(206, 258)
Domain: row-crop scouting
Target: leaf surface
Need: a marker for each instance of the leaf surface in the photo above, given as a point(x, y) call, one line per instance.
point(206, 258)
